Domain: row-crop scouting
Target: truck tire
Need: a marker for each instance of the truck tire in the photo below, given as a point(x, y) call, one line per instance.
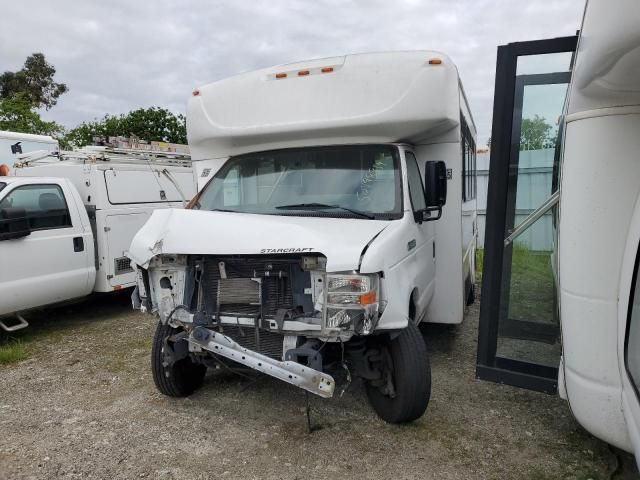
point(181, 378)
point(411, 374)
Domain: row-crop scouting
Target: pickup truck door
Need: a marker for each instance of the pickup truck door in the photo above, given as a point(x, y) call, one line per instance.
point(55, 261)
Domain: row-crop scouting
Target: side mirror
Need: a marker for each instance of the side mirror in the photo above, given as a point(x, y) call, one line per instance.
point(435, 186)
point(14, 223)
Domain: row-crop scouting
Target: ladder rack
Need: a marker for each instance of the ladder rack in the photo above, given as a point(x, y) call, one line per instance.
point(103, 155)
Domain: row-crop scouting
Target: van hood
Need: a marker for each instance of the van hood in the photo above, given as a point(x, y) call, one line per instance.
point(198, 232)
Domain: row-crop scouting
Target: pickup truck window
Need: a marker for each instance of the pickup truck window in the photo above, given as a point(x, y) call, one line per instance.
point(2, 185)
point(44, 205)
point(359, 181)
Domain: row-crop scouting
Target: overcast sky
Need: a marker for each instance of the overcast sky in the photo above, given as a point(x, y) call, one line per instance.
point(120, 55)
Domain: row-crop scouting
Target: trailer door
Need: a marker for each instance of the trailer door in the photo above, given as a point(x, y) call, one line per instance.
point(519, 334)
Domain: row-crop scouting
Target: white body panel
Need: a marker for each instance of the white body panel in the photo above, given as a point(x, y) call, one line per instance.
point(43, 268)
point(367, 98)
point(599, 229)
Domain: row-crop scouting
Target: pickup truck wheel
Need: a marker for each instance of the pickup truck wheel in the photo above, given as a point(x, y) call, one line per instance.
point(180, 378)
point(405, 364)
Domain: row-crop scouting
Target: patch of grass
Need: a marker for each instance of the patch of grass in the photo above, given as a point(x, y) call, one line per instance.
point(12, 352)
point(479, 264)
point(532, 287)
point(532, 292)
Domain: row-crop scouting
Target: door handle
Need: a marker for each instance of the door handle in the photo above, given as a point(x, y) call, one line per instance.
point(78, 244)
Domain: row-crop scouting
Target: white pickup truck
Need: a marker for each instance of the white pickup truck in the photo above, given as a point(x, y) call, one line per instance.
point(67, 221)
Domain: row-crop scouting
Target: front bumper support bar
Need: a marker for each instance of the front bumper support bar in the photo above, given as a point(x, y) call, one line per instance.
point(291, 372)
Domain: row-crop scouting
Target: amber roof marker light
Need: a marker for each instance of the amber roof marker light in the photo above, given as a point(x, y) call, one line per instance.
point(327, 70)
point(435, 61)
point(281, 75)
point(303, 73)
point(195, 93)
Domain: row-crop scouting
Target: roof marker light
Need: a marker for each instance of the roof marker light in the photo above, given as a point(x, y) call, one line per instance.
point(327, 70)
point(281, 75)
point(435, 61)
point(303, 73)
point(195, 93)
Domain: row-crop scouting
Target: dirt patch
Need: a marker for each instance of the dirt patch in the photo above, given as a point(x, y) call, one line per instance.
point(84, 406)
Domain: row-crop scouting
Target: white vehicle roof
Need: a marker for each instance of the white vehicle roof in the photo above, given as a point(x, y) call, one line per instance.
point(27, 137)
point(607, 59)
point(364, 98)
point(11, 179)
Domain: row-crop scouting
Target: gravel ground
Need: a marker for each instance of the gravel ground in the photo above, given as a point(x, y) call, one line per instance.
point(84, 406)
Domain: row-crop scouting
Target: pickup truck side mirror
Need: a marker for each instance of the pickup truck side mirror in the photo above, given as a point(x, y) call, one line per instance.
point(14, 223)
point(435, 187)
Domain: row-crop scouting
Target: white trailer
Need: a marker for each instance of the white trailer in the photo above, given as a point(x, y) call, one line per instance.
point(315, 239)
point(15, 144)
point(599, 228)
point(76, 213)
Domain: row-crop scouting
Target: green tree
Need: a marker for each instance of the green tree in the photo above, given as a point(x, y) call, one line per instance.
point(35, 81)
point(536, 133)
point(150, 124)
point(18, 115)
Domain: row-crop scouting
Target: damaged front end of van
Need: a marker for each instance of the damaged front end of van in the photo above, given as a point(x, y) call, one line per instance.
point(299, 312)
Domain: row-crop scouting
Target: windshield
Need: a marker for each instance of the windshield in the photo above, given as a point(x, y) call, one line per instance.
point(347, 181)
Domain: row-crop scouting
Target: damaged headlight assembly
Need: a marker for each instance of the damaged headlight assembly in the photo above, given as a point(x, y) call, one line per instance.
point(352, 302)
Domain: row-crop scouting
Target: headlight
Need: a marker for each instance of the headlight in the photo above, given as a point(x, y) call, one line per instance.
point(352, 303)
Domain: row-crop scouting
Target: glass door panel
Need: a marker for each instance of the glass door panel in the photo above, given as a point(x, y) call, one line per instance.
point(519, 338)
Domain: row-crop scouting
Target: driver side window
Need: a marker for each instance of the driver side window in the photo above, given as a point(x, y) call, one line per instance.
point(43, 205)
point(414, 179)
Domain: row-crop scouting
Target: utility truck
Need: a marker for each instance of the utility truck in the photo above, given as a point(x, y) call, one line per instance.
point(338, 214)
point(67, 219)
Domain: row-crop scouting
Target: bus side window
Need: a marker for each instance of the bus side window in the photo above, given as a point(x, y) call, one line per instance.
point(468, 147)
point(632, 340)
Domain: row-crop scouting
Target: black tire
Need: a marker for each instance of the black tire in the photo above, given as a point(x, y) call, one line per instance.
point(411, 374)
point(180, 379)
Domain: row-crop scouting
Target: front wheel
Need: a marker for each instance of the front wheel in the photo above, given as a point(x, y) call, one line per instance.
point(403, 394)
point(174, 374)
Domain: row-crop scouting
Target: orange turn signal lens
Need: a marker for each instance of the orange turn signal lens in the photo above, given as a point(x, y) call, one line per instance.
point(327, 70)
point(368, 298)
point(303, 73)
point(281, 75)
point(435, 61)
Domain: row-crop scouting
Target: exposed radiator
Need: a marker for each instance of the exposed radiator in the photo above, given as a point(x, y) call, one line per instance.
point(275, 276)
point(270, 342)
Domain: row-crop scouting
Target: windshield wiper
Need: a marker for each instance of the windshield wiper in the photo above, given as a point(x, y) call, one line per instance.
point(322, 206)
point(223, 210)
